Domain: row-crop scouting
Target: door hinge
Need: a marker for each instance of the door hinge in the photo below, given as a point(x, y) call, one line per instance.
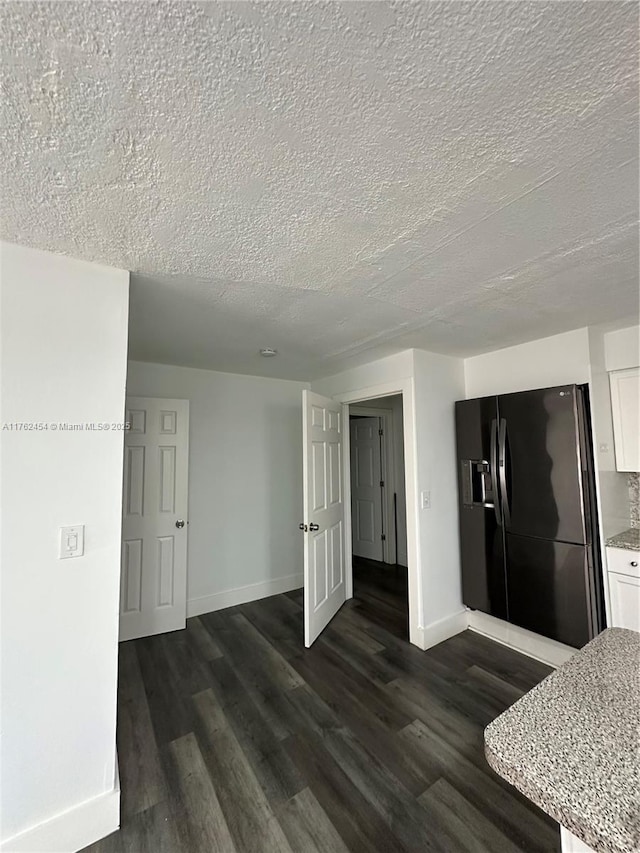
point(383, 537)
point(380, 432)
point(381, 484)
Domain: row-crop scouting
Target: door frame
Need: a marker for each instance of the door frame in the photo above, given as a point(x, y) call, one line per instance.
point(388, 474)
point(406, 388)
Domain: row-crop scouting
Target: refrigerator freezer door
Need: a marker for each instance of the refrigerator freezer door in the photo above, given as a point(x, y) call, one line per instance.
point(542, 465)
point(481, 538)
point(482, 559)
point(548, 588)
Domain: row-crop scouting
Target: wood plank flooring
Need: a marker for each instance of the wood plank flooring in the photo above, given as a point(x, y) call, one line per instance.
point(232, 738)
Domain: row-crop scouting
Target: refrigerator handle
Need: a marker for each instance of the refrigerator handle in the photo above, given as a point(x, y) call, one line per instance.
point(502, 468)
point(494, 471)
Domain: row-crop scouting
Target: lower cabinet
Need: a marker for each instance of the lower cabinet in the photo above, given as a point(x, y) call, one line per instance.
point(624, 593)
point(624, 588)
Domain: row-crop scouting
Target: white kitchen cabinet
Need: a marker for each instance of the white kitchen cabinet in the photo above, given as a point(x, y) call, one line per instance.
point(623, 561)
point(624, 593)
point(625, 409)
point(571, 844)
point(624, 587)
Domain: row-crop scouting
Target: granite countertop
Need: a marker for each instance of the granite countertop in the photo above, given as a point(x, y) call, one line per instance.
point(627, 539)
point(572, 744)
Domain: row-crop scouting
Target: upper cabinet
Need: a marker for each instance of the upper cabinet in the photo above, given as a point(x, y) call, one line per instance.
point(625, 406)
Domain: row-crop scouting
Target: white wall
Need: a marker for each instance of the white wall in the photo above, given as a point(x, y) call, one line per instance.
point(558, 360)
point(613, 485)
point(439, 382)
point(245, 480)
point(64, 342)
point(392, 369)
point(622, 348)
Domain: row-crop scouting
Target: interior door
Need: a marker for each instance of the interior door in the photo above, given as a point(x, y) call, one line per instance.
point(323, 525)
point(366, 491)
point(153, 586)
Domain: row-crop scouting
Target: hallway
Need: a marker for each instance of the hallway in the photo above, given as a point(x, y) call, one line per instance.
point(381, 593)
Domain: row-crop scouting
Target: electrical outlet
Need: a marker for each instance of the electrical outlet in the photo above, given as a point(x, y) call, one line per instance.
point(71, 541)
point(425, 500)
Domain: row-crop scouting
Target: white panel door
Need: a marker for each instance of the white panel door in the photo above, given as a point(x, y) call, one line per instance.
point(153, 583)
point(366, 492)
point(323, 474)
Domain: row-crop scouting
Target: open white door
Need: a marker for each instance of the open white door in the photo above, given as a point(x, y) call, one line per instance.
point(324, 523)
point(153, 585)
point(366, 488)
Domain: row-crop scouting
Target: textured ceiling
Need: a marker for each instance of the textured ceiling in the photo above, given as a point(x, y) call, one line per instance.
point(339, 180)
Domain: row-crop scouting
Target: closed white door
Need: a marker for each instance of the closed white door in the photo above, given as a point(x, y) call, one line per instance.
point(153, 586)
point(366, 488)
point(323, 525)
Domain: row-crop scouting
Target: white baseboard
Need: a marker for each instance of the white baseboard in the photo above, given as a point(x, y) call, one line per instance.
point(116, 774)
point(437, 632)
point(72, 830)
point(541, 648)
point(243, 594)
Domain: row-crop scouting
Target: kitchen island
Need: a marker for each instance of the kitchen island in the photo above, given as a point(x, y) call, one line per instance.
point(572, 745)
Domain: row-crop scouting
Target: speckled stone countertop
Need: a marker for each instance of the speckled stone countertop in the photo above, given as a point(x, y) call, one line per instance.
point(572, 744)
point(627, 539)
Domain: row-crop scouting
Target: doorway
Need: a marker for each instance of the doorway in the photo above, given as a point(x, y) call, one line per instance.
point(378, 512)
point(326, 523)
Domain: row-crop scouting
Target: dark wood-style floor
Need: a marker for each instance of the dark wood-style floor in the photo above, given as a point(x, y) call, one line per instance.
point(233, 737)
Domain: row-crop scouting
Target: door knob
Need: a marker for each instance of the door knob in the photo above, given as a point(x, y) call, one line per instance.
point(303, 527)
point(314, 527)
point(179, 523)
point(634, 563)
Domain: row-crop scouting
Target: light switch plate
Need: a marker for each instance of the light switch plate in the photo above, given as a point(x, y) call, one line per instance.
point(71, 541)
point(425, 500)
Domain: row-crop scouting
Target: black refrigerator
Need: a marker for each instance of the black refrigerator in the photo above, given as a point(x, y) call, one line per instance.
point(527, 505)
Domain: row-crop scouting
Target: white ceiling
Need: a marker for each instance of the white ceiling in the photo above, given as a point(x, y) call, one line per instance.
point(339, 180)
